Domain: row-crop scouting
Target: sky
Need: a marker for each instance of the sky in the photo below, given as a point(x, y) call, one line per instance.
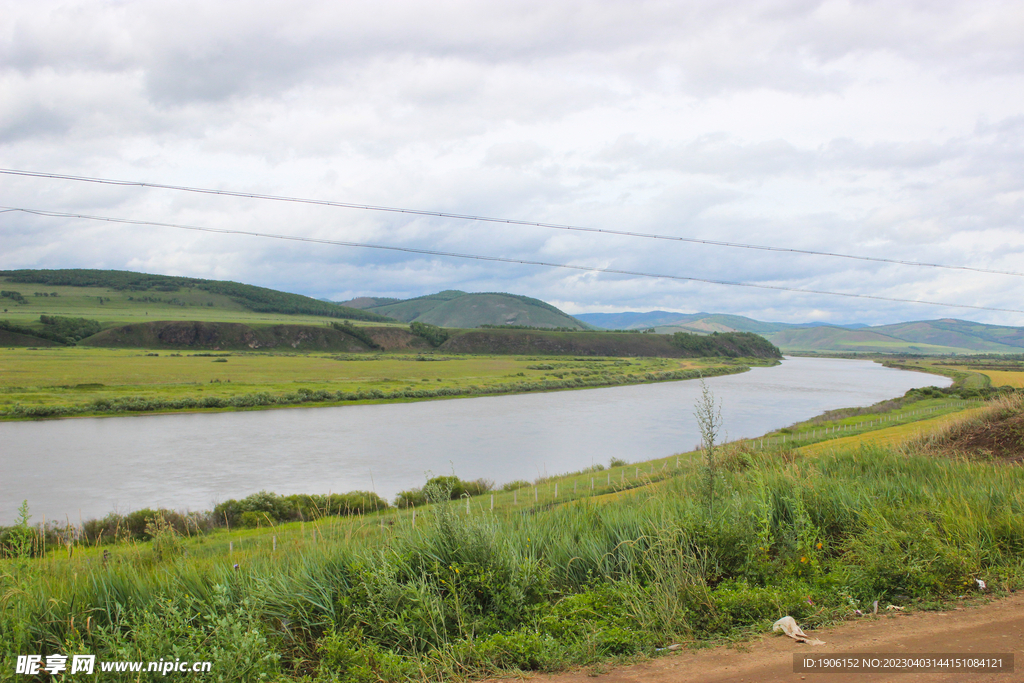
point(886, 130)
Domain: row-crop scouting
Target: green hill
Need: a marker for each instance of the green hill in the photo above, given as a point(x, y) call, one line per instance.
point(112, 296)
point(959, 333)
point(946, 336)
point(364, 302)
point(839, 340)
point(453, 308)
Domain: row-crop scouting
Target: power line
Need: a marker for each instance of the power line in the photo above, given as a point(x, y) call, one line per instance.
point(488, 219)
point(498, 259)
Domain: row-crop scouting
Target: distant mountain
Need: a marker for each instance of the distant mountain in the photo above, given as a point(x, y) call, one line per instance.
point(946, 336)
point(702, 323)
point(453, 308)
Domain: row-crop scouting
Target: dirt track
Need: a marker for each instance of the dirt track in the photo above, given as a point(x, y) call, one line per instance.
point(997, 627)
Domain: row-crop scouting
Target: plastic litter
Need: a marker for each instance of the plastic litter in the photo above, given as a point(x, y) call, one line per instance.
point(789, 626)
point(981, 584)
point(672, 647)
point(894, 608)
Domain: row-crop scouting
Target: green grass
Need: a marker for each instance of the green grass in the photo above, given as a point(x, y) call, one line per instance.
point(539, 585)
point(77, 377)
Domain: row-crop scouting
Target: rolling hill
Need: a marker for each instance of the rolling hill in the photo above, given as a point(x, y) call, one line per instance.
point(453, 308)
point(114, 293)
point(946, 336)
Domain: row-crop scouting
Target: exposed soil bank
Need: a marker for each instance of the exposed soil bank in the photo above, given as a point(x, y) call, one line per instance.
point(997, 627)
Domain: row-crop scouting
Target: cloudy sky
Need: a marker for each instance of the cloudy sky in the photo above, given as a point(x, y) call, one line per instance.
point(880, 129)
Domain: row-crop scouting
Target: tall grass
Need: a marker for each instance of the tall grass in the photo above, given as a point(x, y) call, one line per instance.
point(543, 587)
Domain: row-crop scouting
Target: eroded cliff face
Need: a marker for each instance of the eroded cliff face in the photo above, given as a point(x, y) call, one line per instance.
point(186, 334)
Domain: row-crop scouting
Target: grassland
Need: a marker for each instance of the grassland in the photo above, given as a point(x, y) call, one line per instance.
point(567, 571)
point(1005, 378)
point(32, 380)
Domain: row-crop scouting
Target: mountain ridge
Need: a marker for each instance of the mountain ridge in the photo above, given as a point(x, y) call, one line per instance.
point(943, 336)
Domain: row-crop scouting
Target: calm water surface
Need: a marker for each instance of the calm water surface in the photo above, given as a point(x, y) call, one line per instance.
point(86, 468)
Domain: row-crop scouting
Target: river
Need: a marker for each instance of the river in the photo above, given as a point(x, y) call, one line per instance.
point(81, 468)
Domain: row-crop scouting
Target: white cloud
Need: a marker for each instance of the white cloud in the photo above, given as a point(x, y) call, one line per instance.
point(876, 128)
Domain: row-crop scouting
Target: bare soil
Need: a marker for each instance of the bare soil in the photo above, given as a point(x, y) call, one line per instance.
point(1000, 438)
point(995, 627)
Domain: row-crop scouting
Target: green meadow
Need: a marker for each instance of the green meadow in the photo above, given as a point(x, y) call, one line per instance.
point(90, 380)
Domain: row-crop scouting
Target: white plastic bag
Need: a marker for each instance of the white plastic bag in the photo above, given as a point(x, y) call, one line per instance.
point(789, 626)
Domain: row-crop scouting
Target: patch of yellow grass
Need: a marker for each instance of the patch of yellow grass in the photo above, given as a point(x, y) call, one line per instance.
point(1002, 378)
point(891, 436)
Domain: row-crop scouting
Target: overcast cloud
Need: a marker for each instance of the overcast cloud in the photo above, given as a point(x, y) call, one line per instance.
point(882, 129)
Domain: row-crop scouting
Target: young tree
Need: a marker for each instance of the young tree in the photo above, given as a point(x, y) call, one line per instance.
point(709, 422)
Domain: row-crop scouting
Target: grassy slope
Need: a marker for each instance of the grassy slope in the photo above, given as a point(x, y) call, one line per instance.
point(410, 309)
point(959, 333)
point(462, 310)
point(841, 340)
point(474, 310)
point(85, 293)
point(635, 320)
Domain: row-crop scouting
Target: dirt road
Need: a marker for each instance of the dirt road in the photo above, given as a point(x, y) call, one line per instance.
point(996, 627)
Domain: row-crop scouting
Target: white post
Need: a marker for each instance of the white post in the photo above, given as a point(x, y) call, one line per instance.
point(275, 544)
point(492, 502)
point(556, 490)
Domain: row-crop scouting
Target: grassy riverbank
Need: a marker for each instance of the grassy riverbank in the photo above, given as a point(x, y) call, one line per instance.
point(56, 382)
point(571, 570)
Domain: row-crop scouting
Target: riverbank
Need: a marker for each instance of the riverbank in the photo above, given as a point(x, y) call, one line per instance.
point(66, 382)
point(546, 576)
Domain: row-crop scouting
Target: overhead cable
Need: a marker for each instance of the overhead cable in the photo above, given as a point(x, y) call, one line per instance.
point(500, 259)
point(489, 219)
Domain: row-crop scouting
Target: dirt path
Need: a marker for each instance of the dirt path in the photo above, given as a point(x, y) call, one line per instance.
point(997, 627)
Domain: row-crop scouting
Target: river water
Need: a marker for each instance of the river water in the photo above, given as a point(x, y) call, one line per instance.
point(82, 468)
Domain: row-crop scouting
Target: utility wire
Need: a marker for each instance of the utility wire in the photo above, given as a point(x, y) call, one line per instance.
point(498, 259)
point(487, 219)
